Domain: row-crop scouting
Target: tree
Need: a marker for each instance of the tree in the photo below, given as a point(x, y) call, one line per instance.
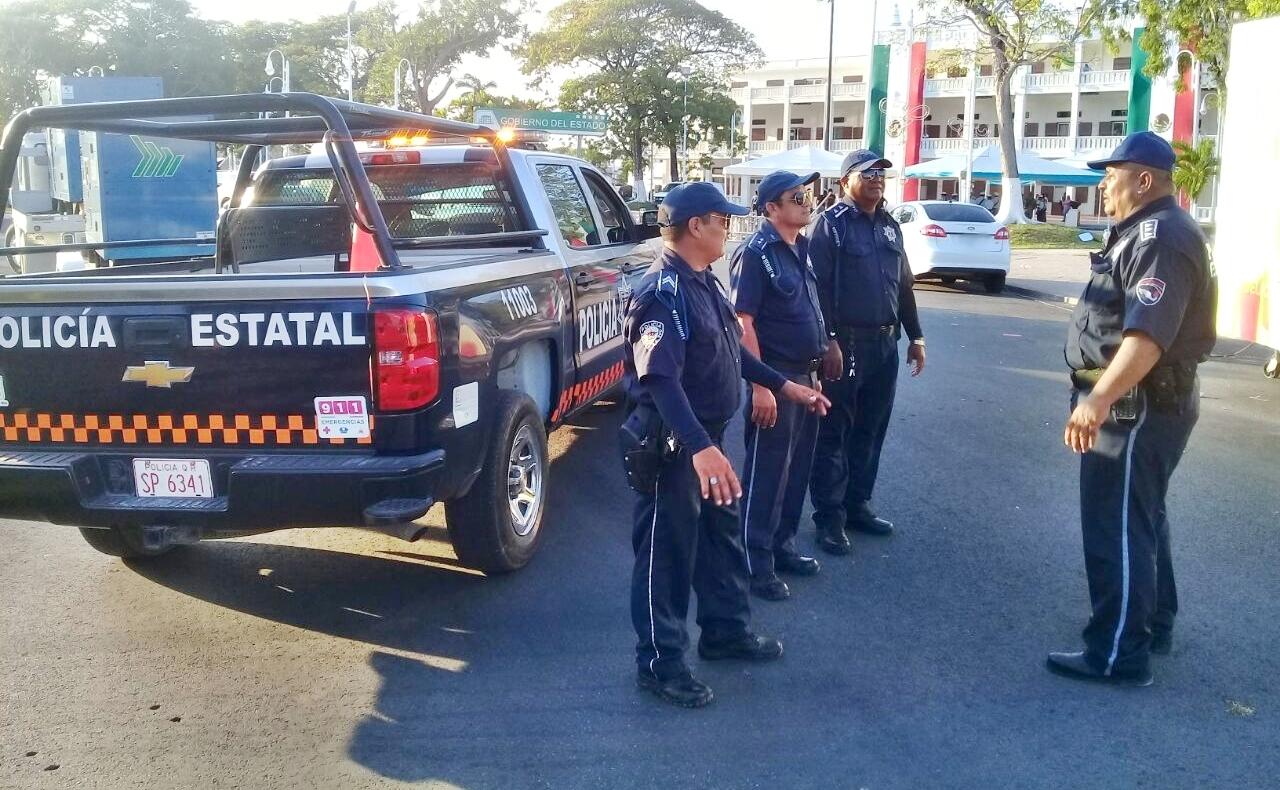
point(1194, 168)
point(1202, 26)
point(1020, 33)
point(442, 34)
point(463, 108)
point(632, 51)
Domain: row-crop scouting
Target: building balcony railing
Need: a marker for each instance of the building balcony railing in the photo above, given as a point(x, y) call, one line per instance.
point(765, 146)
point(759, 147)
point(1049, 82)
point(1104, 80)
point(849, 90)
point(844, 146)
point(844, 91)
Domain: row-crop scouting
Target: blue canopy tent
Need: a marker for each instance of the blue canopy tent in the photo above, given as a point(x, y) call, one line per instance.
point(987, 166)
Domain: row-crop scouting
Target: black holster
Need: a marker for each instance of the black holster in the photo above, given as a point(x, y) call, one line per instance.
point(646, 444)
point(1169, 385)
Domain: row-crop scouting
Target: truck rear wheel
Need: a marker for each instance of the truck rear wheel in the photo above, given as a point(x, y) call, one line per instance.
point(123, 542)
point(497, 525)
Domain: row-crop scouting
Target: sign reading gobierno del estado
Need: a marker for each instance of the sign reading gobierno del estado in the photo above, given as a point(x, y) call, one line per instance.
point(542, 121)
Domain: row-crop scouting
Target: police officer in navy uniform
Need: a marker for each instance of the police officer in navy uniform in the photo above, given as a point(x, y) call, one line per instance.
point(1145, 322)
point(683, 358)
point(864, 286)
point(775, 294)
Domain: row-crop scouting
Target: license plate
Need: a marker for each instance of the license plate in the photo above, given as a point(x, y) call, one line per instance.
point(172, 477)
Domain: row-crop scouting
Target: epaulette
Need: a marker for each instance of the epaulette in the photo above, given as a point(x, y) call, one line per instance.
point(1147, 230)
point(757, 242)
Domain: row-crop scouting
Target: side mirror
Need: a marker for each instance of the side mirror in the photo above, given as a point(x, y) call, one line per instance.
point(648, 227)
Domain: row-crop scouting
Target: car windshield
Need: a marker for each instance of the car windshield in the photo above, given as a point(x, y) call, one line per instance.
point(957, 212)
point(417, 200)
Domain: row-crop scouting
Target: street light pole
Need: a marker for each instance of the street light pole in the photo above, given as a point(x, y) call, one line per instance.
point(831, 49)
point(684, 126)
point(351, 56)
point(395, 102)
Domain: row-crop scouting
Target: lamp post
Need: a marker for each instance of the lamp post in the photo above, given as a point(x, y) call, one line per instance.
point(351, 56)
point(685, 71)
point(395, 102)
point(284, 70)
point(733, 133)
point(827, 127)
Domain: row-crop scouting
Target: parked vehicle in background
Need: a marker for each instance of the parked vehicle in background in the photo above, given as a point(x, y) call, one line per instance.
point(660, 194)
point(954, 241)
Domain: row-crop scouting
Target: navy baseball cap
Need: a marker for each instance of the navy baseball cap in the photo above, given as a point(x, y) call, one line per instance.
point(695, 200)
point(1140, 148)
point(862, 159)
point(778, 182)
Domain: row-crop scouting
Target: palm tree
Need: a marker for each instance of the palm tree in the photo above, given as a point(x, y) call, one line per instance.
point(473, 84)
point(1195, 167)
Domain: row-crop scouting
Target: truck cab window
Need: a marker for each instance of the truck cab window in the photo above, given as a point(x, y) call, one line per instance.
point(573, 216)
point(611, 209)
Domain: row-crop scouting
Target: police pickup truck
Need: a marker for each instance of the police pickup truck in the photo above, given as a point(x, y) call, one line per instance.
point(373, 330)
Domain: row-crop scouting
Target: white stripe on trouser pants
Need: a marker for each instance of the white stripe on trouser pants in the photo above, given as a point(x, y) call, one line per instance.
point(1124, 539)
point(751, 484)
point(653, 537)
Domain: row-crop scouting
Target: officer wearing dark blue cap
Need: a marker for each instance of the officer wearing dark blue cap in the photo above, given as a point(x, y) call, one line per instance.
point(776, 295)
point(684, 367)
point(1145, 322)
point(864, 285)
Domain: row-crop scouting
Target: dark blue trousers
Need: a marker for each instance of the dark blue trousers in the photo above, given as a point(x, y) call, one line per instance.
point(683, 542)
point(774, 480)
point(1127, 555)
point(852, 433)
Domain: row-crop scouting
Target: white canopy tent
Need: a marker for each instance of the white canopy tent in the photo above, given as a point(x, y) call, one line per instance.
point(987, 165)
point(803, 160)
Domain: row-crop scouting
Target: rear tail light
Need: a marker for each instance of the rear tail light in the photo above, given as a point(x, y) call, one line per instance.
point(1002, 234)
point(406, 358)
point(935, 231)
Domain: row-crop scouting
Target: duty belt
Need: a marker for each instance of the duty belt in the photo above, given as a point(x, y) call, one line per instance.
point(867, 331)
point(1166, 384)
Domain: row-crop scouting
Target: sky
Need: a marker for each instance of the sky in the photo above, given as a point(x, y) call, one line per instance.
point(784, 29)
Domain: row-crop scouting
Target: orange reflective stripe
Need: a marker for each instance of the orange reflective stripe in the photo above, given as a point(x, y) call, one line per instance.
point(214, 429)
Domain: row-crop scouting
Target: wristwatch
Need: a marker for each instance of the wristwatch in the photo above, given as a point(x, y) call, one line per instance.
point(919, 341)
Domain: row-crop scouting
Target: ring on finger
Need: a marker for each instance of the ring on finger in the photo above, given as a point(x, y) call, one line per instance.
point(713, 480)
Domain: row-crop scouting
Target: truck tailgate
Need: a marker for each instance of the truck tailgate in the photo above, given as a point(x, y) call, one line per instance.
point(279, 374)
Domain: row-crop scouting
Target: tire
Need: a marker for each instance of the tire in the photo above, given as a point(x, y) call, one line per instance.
point(123, 542)
point(994, 284)
point(492, 530)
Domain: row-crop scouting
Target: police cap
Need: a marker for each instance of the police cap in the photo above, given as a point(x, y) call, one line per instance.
point(1140, 148)
point(862, 159)
point(696, 199)
point(778, 182)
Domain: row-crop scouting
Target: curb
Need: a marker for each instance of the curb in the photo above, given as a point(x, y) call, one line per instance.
point(1044, 296)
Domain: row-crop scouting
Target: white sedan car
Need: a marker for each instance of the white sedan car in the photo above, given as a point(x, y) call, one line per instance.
point(952, 241)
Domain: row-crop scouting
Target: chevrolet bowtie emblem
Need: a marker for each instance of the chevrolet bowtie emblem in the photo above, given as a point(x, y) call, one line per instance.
point(157, 373)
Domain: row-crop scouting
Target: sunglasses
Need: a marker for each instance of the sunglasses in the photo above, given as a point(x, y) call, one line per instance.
point(801, 198)
point(872, 174)
point(721, 219)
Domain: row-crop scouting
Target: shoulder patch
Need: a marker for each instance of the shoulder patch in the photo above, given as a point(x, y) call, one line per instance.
point(1147, 230)
point(838, 210)
point(1149, 290)
point(757, 242)
point(651, 334)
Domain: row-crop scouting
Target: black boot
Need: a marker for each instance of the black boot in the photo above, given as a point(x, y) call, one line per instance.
point(1078, 667)
point(862, 519)
point(832, 540)
point(770, 587)
point(747, 647)
point(683, 690)
point(796, 564)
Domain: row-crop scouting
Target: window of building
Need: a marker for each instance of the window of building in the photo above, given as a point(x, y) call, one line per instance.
point(986, 71)
point(774, 83)
point(1031, 130)
point(1038, 68)
point(932, 131)
point(1064, 114)
point(858, 132)
point(957, 71)
point(758, 135)
point(1057, 130)
point(758, 122)
point(1113, 128)
point(837, 120)
point(1085, 128)
point(1119, 113)
point(801, 133)
point(797, 121)
point(851, 78)
point(1121, 64)
point(737, 85)
point(810, 81)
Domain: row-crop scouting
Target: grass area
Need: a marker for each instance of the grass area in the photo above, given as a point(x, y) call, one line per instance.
point(1051, 237)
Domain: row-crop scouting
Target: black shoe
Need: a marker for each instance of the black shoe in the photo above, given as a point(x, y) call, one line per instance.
point(863, 520)
point(746, 648)
point(1162, 643)
point(1077, 667)
point(683, 690)
point(770, 588)
point(796, 564)
point(832, 540)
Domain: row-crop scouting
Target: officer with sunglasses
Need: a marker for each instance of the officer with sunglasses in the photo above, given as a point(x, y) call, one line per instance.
point(775, 294)
point(684, 369)
point(864, 286)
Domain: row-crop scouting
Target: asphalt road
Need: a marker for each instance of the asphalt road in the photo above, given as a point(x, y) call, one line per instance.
point(340, 658)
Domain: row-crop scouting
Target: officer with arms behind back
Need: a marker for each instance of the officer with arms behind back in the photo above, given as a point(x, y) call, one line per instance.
point(864, 285)
point(684, 368)
point(776, 295)
point(1145, 321)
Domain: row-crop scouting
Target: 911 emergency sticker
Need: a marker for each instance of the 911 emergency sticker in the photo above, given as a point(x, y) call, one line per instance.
point(342, 417)
point(651, 334)
point(1149, 290)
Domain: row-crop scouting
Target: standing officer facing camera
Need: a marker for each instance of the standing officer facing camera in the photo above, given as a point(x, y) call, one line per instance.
point(1145, 322)
point(684, 370)
point(864, 284)
point(775, 294)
